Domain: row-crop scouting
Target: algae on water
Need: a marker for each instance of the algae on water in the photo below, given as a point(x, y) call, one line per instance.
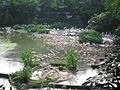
point(8, 45)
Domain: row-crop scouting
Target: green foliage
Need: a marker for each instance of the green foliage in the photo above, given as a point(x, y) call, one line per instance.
point(117, 40)
point(33, 28)
point(21, 76)
point(37, 28)
point(17, 26)
point(90, 36)
point(61, 26)
point(71, 61)
point(41, 31)
point(114, 7)
point(29, 59)
point(44, 80)
point(102, 22)
point(18, 11)
point(118, 30)
point(59, 63)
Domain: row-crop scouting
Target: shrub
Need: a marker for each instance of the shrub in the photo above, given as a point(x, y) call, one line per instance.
point(117, 40)
point(102, 22)
point(41, 31)
point(21, 76)
point(37, 28)
point(17, 26)
point(71, 61)
point(42, 26)
point(29, 59)
point(118, 30)
point(61, 26)
point(90, 36)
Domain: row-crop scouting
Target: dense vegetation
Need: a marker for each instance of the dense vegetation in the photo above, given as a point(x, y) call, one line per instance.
point(90, 36)
point(74, 12)
point(70, 62)
point(32, 28)
point(95, 15)
point(23, 75)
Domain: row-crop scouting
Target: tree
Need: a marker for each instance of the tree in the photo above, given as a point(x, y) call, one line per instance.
point(104, 22)
point(84, 9)
point(114, 7)
point(18, 11)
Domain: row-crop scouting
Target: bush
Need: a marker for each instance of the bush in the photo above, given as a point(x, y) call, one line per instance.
point(21, 76)
point(71, 61)
point(41, 31)
point(90, 36)
point(117, 40)
point(102, 22)
point(61, 26)
point(118, 30)
point(33, 28)
point(37, 28)
point(17, 26)
point(29, 59)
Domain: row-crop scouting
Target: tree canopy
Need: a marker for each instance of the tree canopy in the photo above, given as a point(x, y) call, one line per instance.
point(114, 7)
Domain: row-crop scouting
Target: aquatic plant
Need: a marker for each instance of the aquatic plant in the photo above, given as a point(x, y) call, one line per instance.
point(21, 76)
point(71, 61)
point(29, 59)
point(63, 63)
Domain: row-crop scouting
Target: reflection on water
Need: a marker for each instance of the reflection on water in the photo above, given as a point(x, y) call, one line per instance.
point(6, 66)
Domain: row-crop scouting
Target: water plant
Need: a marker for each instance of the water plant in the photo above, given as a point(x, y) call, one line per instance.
point(59, 63)
point(21, 76)
point(29, 59)
point(71, 61)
